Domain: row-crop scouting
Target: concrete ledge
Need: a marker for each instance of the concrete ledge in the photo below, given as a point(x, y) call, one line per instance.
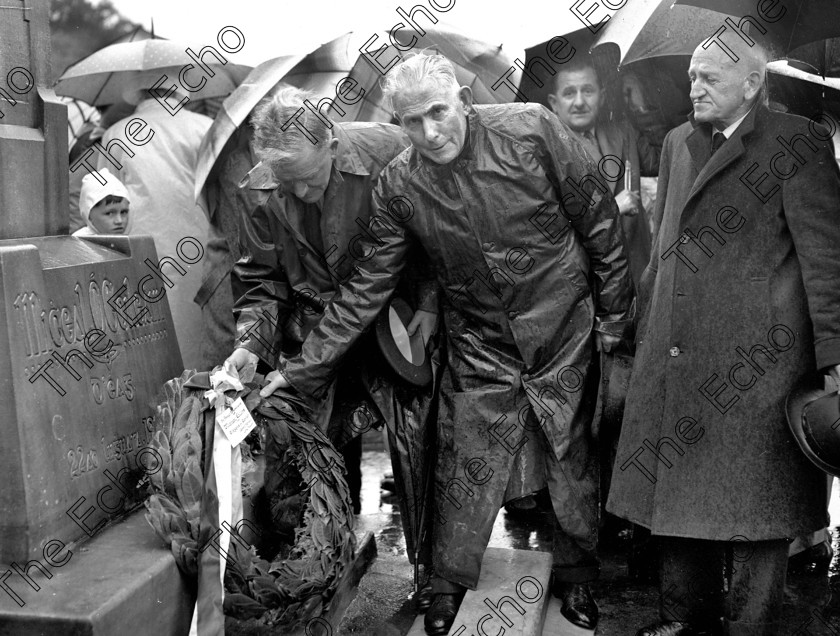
point(512, 596)
point(123, 581)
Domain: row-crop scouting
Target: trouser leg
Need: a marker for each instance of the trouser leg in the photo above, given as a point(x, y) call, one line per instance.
point(691, 582)
point(573, 486)
point(756, 573)
point(573, 483)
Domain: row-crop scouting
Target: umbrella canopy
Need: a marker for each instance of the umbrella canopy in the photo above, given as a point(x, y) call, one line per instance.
point(338, 65)
point(235, 109)
point(794, 23)
point(643, 29)
point(102, 77)
point(803, 93)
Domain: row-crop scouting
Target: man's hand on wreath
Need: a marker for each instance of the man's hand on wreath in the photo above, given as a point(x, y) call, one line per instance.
point(240, 358)
point(275, 381)
point(426, 321)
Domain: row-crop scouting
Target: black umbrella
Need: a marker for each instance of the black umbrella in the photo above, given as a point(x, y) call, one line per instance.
point(788, 24)
point(410, 415)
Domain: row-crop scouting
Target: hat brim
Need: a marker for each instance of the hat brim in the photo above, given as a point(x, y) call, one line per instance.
point(396, 316)
point(807, 389)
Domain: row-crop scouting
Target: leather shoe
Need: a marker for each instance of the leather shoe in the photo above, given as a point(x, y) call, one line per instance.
point(579, 607)
point(441, 613)
point(423, 598)
point(669, 628)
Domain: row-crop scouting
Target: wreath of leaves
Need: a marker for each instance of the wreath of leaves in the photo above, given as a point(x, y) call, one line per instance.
point(289, 590)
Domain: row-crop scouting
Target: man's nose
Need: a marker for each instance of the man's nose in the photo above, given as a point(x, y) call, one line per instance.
point(578, 99)
point(696, 90)
point(300, 190)
point(430, 131)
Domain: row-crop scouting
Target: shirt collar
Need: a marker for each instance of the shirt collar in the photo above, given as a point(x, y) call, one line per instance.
point(731, 128)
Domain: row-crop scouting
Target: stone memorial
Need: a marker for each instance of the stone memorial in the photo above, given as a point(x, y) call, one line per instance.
point(86, 343)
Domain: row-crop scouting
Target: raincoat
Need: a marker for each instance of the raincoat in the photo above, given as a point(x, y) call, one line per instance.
point(525, 280)
point(296, 256)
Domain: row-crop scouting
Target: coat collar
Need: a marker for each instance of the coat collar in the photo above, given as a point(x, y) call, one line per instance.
point(699, 143)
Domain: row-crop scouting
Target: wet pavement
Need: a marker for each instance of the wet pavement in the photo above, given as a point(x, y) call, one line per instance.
point(383, 607)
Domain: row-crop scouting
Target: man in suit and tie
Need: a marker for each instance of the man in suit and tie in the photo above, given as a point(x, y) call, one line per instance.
point(740, 299)
point(577, 99)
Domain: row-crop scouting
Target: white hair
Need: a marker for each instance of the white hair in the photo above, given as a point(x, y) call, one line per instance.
point(278, 147)
point(416, 68)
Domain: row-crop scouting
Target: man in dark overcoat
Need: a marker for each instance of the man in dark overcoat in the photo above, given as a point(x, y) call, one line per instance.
point(741, 297)
point(530, 258)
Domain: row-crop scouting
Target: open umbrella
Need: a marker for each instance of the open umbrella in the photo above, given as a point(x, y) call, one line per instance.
point(790, 24)
point(102, 77)
point(803, 93)
point(643, 29)
point(235, 109)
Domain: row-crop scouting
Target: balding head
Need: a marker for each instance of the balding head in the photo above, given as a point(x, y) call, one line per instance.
point(726, 82)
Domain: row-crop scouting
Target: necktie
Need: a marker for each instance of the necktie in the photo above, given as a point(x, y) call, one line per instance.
point(590, 142)
point(718, 139)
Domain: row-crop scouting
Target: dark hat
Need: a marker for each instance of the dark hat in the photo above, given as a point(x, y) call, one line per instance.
point(405, 354)
point(813, 414)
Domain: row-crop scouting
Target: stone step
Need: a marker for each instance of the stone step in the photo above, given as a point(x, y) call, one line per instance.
point(512, 595)
point(122, 581)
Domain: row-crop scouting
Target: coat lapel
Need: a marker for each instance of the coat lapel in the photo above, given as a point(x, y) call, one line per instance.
point(699, 144)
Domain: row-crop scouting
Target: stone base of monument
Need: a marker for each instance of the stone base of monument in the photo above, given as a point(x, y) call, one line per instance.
point(122, 581)
point(328, 623)
point(513, 597)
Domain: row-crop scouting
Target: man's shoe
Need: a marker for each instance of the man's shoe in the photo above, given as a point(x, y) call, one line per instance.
point(669, 628)
point(423, 598)
point(523, 508)
point(579, 607)
point(441, 613)
point(814, 560)
point(388, 484)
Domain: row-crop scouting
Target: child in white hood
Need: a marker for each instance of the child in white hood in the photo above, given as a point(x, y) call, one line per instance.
point(103, 207)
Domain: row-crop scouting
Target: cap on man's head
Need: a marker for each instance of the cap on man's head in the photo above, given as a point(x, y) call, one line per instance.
point(93, 191)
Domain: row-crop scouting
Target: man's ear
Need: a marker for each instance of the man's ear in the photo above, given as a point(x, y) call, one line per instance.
point(552, 102)
point(466, 97)
point(753, 85)
point(333, 145)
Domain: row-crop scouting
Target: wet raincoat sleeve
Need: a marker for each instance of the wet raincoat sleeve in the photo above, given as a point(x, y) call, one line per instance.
point(354, 309)
point(260, 285)
point(594, 216)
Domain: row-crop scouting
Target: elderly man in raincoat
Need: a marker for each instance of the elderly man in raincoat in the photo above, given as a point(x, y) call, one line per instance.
point(307, 202)
point(528, 252)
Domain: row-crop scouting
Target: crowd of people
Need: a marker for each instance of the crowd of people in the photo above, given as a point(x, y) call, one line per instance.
point(527, 265)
